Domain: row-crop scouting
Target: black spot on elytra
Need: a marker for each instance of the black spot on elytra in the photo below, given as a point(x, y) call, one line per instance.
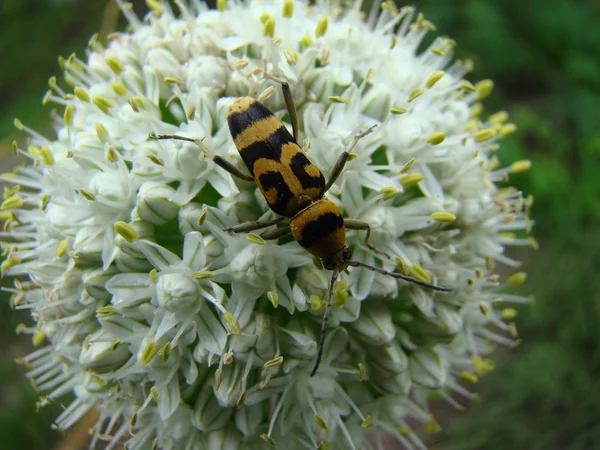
point(274, 180)
point(319, 228)
point(270, 148)
point(298, 165)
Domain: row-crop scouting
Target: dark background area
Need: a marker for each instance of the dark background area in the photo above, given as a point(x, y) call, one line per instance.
point(544, 57)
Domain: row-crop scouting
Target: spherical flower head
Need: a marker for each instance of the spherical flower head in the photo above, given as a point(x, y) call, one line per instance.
point(185, 335)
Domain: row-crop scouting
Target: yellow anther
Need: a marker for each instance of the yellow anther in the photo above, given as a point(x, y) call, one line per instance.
point(484, 88)
point(269, 28)
point(434, 78)
point(241, 399)
point(154, 395)
point(305, 41)
point(508, 313)
point(155, 6)
point(435, 138)
point(240, 64)
point(320, 422)
point(149, 352)
point(498, 118)
point(315, 302)
point(265, 437)
point(44, 200)
point(288, 8)
point(367, 422)
point(191, 112)
point(153, 276)
point(485, 309)
point(115, 65)
point(443, 216)
point(253, 237)
point(111, 155)
point(428, 25)
point(484, 135)
point(221, 5)
point(398, 110)
point(273, 298)
point(406, 167)
point(321, 27)
point(390, 7)
point(411, 179)
point(520, 166)
point(507, 129)
point(362, 371)
point(68, 115)
point(388, 192)
point(136, 103)
point(438, 51)
point(482, 366)
point(118, 88)
point(414, 94)
point(264, 17)
point(47, 97)
point(125, 230)
point(156, 160)
point(13, 202)
point(339, 299)
point(469, 377)
point(81, 94)
point(47, 156)
point(266, 94)
point(202, 216)
point(102, 103)
point(202, 275)
point(38, 338)
point(418, 272)
point(173, 80)
point(271, 364)
point(476, 110)
point(464, 84)
point(533, 243)
point(431, 426)
point(102, 133)
point(517, 279)
point(61, 248)
point(291, 56)
point(87, 195)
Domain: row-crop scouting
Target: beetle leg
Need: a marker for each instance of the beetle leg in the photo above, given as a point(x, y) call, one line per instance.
point(353, 224)
point(276, 233)
point(291, 108)
point(288, 97)
point(217, 159)
point(252, 226)
point(231, 169)
point(343, 159)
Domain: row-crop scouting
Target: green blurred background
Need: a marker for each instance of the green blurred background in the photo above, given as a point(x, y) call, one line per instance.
point(544, 57)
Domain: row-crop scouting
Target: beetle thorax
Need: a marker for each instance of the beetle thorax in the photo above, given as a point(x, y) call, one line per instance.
point(319, 228)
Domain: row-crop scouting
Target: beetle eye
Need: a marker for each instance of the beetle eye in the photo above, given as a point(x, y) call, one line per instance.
point(346, 254)
point(328, 264)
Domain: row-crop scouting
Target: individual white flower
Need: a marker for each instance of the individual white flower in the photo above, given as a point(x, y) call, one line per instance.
point(185, 336)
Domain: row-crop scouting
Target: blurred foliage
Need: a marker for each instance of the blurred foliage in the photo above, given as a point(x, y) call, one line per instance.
point(543, 58)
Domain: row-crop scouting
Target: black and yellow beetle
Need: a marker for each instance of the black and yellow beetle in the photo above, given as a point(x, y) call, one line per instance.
point(295, 189)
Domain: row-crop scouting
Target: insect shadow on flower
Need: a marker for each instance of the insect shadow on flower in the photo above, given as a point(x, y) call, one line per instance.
point(295, 190)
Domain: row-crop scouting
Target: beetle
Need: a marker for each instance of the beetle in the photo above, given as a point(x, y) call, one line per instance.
point(295, 190)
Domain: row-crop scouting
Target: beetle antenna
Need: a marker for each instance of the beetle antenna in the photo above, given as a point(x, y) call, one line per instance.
point(399, 275)
point(334, 276)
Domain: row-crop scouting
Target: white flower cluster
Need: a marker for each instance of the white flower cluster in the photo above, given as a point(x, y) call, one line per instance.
point(184, 336)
